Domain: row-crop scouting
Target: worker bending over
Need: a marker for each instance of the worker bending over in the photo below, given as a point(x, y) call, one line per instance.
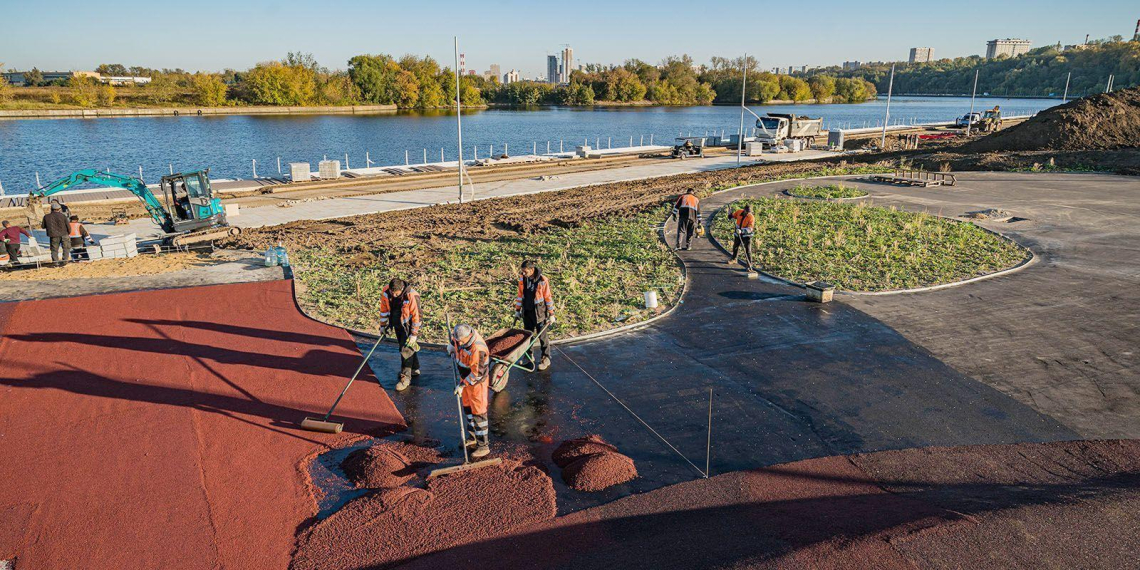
point(687, 210)
point(745, 224)
point(535, 306)
point(473, 361)
point(401, 300)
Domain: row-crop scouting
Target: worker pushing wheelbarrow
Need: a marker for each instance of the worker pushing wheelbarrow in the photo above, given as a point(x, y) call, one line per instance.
point(534, 306)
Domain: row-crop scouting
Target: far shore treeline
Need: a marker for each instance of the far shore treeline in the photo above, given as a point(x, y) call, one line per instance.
point(412, 82)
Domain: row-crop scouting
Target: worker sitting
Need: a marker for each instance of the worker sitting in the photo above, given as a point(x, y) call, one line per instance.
point(687, 210)
point(79, 239)
point(535, 306)
point(473, 360)
point(744, 223)
point(400, 299)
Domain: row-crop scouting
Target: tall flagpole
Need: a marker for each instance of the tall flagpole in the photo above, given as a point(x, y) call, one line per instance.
point(743, 90)
point(459, 118)
point(970, 117)
point(887, 117)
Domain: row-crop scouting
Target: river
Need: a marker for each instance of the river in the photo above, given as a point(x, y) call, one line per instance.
point(228, 145)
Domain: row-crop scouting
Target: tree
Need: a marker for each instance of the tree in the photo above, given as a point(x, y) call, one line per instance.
point(374, 77)
point(106, 95)
point(822, 87)
point(275, 83)
point(33, 78)
point(5, 88)
point(161, 89)
point(337, 89)
point(115, 69)
point(84, 93)
point(208, 89)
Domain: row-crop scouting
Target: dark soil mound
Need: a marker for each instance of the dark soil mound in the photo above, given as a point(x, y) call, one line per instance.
point(387, 464)
point(1102, 122)
point(573, 449)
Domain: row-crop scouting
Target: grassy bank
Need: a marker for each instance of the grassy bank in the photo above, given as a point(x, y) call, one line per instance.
point(828, 192)
point(860, 247)
point(598, 271)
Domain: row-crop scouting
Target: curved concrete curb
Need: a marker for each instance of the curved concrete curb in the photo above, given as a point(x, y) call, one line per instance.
point(1030, 260)
point(789, 194)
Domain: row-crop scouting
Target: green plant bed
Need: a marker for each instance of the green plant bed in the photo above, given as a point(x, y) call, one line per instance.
point(859, 247)
point(598, 272)
point(828, 192)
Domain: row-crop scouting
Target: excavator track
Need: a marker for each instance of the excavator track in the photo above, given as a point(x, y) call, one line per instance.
point(204, 235)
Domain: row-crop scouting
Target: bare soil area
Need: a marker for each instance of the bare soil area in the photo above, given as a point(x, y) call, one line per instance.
point(128, 267)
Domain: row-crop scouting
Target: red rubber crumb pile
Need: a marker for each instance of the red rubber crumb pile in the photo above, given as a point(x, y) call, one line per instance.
point(590, 464)
point(396, 524)
point(387, 464)
point(500, 346)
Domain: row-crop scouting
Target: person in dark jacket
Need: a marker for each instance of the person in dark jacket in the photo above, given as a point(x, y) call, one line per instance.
point(10, 237)
point(58, 232)
point(62, 207)
point(535, 306)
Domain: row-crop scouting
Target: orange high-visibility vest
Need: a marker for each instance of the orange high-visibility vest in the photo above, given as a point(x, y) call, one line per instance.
point(541, 292)
point(475, 357)
point(744, 223)
point(73, 229)
point(409, 312)
point(688, 201)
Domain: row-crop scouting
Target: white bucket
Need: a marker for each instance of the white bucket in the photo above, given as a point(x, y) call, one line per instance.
point(651, 299)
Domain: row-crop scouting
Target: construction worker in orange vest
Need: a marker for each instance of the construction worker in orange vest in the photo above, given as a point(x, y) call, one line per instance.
point(687, 210)
point(535, 306)
point(403, 301)
point(473, 360)
point(745, 223)
point(79, 239)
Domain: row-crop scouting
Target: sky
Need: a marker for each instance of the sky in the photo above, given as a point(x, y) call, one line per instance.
point(212, 35)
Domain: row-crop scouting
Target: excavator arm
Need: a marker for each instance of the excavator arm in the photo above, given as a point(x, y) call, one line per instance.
point(133, 185)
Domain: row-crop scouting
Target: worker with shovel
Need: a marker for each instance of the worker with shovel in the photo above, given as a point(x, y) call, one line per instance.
point(473, 364)
point(687, 210)
point(745, 224)
point(535, 306)
point(401, 300)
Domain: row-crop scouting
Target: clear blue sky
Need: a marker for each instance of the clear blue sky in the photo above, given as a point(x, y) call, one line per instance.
point(215, 34)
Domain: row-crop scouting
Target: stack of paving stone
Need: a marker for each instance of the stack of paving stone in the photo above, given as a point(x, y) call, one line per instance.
point(114, 247)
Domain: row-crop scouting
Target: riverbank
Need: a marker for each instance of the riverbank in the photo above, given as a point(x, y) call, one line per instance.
point(108, 112)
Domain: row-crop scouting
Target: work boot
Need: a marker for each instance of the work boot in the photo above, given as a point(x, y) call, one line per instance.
point(403, 383)
point(471, 441)
point(730, 261)
point(544, 363)
point(482, 451)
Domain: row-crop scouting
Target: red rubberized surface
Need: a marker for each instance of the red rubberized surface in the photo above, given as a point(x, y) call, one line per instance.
point(160, 429)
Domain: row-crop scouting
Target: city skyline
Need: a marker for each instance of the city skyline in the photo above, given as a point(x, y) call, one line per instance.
point(226, 42)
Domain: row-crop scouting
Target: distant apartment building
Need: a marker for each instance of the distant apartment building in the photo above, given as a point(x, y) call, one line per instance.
point(852, 65)
point(17, 77)
point(921, 55)
point(552, 75)
point(567, 63)
point(495, 72)
point(511, 76)
point(1008, 47)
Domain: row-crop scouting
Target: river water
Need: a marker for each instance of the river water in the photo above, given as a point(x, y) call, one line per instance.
point(228, 145)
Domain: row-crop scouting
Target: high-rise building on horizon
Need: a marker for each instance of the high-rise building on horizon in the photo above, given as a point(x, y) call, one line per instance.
point(852, 65)
point(494, 72)
point(1009, 47)
point(511, 76)
point(567, 64)
point(552, 75)
point(921, 54)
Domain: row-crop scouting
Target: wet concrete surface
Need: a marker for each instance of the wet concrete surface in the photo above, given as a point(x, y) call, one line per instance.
point(791, 380)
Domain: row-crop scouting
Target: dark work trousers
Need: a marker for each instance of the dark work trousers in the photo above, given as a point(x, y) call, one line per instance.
point(56, 244)
point(13, 249)
point(407, 365)
point(477, 426)
point(534, 321)
point(746, 241)
point(686, 226)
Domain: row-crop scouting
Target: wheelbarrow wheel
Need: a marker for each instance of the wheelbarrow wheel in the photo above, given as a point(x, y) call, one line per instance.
point(500, 373)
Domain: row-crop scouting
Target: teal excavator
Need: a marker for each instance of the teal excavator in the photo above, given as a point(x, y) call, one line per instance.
point(189, 212)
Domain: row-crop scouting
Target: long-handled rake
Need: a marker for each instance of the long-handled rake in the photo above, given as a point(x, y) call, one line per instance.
point(323, 424)
point(467, 464)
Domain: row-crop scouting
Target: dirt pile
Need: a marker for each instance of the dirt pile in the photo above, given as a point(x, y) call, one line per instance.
point(392, 235)
point(590, 464)
point(128, 267)
point(387, 464)
point(1101, 122)
point(396, 524)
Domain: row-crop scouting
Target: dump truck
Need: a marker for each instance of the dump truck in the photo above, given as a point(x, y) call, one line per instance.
point(774, 128)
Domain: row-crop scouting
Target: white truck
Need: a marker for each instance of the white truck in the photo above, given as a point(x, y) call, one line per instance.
point(774, 129)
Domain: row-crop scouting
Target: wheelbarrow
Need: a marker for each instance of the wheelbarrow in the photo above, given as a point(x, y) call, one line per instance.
point(508, 347)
